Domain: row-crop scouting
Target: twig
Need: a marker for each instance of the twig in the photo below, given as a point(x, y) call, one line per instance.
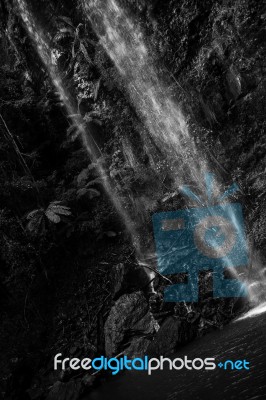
point(16, 148)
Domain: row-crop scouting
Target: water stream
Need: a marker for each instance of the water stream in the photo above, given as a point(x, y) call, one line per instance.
point(167, 139)
point(166, 125)
point(168, 131)
point(44, 50)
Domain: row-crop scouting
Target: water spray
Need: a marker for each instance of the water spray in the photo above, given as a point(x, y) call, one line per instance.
point(44, 51)
point(165, 123)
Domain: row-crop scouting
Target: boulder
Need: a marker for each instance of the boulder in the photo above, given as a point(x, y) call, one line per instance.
point(138, 347)
point(173, 333)
point(129, 326)
point(127, 279)
point(119, 280)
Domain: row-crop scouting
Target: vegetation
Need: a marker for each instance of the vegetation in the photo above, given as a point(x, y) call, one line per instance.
point(60, 236)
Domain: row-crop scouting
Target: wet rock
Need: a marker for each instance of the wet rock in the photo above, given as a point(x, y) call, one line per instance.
point(238, 85)
point(173, 333)
point(127, 279)
point(65, 391)
point(138, 347)
point(129, 325)
point(119, 280)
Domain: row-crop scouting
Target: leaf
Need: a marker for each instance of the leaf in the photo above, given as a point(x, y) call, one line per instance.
point(73, 116)
point(82, 176)
point(73, 132)
point(97, 122)
point(85, 53)
point(54, 210)
point(93, 193)
point(97, 88)
point(81, 192)
point(73, 49)
point(110, 234)
point(66, 20)
point(52, 216)
point(63, 34)
point(34, 213)
point(61, 211)
point(94, 182)
point(66, 31)
point(71, 129)
point(36, 224)
point(92, 166)
point(93, 114)
point(90, 193)
point(57, 208)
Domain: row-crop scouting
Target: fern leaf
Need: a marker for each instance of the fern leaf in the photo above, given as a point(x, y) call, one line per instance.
point(94, 182)
point(66, 20)
point(59, 209)
point(36, 224)
point(55, 218)
point(84, 174)
point(90, 193)
point(34, 213)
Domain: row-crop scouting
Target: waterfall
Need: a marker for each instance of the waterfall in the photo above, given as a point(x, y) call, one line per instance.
point(166, 139)
point(166, 125)
point(165, 122)
point(44, 50)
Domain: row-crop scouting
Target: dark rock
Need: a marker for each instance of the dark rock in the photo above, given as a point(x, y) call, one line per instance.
point(234, 82)
point(88, 381)
point(238, 84)
point(127, 279)
point(36, 393)
point(65, 391)
point(129, 325)
point(138, 347)
point(73, 350)
point(173, 332)
point(65, 375)
point(119, 280)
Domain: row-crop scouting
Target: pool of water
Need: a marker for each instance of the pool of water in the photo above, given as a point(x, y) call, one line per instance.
point(243, 339)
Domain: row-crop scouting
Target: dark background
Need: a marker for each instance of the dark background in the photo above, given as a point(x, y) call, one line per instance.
point(56, 275)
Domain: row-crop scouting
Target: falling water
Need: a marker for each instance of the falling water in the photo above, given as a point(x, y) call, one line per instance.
point(44, 50)
point(165, 122)
point(166, 125)
point(167, 130)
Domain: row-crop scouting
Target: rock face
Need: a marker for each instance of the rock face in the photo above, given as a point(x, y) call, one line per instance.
point(119, 280)
point(173, 332)
point(129, 326)
point(127, 279)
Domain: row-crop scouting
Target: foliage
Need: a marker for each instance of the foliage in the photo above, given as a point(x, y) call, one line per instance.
point(50, 249)
point(53, 213)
